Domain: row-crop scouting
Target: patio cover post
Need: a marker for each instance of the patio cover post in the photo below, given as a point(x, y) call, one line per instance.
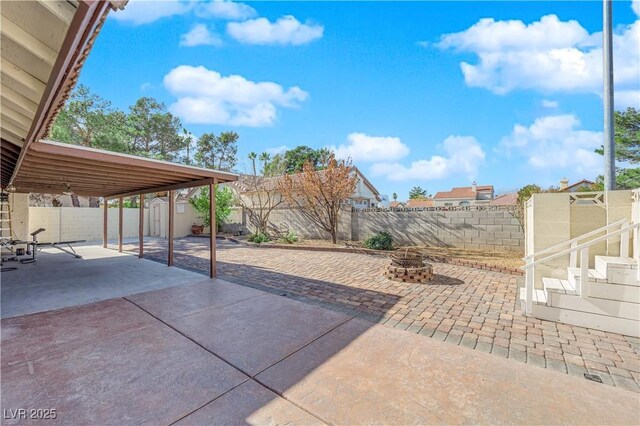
point(104, 223)
point(172, 196)
point(141, 228)
point(212, 228)
point(120, 214)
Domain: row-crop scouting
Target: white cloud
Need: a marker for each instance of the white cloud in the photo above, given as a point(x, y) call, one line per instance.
point(286, 30)
point(547, 103)
point(635, 5)
point(206, 97)
point(146, 86)
point(223, 9)
point(139, 12)
point(199, 36)
point(556, 142)
point(362, 147)
point(463, 155)
point(549, 55)
point(277, 150)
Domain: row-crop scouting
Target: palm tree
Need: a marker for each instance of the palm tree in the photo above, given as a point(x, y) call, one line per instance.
point(264, 159)
point(395, 197)
point(252, 157)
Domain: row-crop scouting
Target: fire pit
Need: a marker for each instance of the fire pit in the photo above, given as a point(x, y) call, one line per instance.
point(408, 266)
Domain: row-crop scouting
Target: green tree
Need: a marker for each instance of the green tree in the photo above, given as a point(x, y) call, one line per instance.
point(395, 197)
point(217, 152)
point(88, 120)
point(153, 131)
point(252, 157)
point(524, 194)
point(417, 192)
point(627, 150)
point(296, 158)
point(626, 135)
point(274, 166)
point(224, 202)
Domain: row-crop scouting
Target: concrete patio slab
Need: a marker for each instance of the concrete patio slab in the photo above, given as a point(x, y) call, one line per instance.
point(177, 302)
point(30, 337)
point(359, 374)
point(150, 375)
point(256, 333)
point(250, 404)
point(101, 274)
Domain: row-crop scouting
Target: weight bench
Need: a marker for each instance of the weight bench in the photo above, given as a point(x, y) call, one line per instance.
point(36, 245)
point(68, 250)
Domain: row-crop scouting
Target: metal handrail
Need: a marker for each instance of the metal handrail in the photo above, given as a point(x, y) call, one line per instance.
point(573, 240)
point(584, 245)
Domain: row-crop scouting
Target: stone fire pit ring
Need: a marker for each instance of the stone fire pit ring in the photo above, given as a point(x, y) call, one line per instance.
point(408, 266)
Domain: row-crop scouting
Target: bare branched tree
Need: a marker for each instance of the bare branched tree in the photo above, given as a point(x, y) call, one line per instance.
point(320, 193)
point(258, 196)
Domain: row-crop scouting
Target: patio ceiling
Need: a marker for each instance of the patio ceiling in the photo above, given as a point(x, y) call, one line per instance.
point(44, 45)
point(55, 168)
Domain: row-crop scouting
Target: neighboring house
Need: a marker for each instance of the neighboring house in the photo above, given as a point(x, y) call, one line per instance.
point(584, 184)
point(419, 202)
point(508, 199)
point(397, 205)
point(364, 196)
point(185, 216)
point(464, 196)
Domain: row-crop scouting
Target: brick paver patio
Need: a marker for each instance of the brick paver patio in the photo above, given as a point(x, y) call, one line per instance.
point(469, 307)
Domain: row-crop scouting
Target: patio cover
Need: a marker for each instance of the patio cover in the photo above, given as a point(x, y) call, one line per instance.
point(56, 168)
point(44, 46)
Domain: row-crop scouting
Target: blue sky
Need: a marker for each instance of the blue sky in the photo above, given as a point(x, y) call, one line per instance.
point(435, 94)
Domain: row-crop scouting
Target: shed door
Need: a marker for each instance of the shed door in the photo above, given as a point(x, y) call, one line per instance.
point(156, 220)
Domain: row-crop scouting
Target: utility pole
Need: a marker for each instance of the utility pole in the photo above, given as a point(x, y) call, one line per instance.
point(607, 59)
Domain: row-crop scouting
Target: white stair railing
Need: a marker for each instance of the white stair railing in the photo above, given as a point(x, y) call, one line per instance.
point(582, 250)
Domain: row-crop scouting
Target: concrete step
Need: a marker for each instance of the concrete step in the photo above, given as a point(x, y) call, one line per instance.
point(618, 270)
point(573, 275)
point(628, 327)
point(539, 296)
point(557, 285)
point(594, 305)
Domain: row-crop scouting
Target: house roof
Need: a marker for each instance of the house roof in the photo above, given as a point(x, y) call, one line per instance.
point(583, 181)
point(395, 204)
point(508, 199)
point(368, 184)
point(463, 192)
point(44, 46)
point(244, 184)
point(54, 168)
point(419, 202)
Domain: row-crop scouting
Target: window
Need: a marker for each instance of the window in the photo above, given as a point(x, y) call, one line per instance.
point(180, 208)
point(448, 204)
point(464, 203)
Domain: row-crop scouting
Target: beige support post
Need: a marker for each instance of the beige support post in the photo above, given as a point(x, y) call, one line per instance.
point(212, 227)
point(172, 208)
point(141, 228)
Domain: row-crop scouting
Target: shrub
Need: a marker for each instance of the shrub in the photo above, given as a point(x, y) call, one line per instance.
point(290, 237)
point(258, 238)
point(380, 241)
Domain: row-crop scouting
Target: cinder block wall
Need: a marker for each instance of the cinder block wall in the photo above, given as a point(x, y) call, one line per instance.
point(485, 229)
point(77, 223)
